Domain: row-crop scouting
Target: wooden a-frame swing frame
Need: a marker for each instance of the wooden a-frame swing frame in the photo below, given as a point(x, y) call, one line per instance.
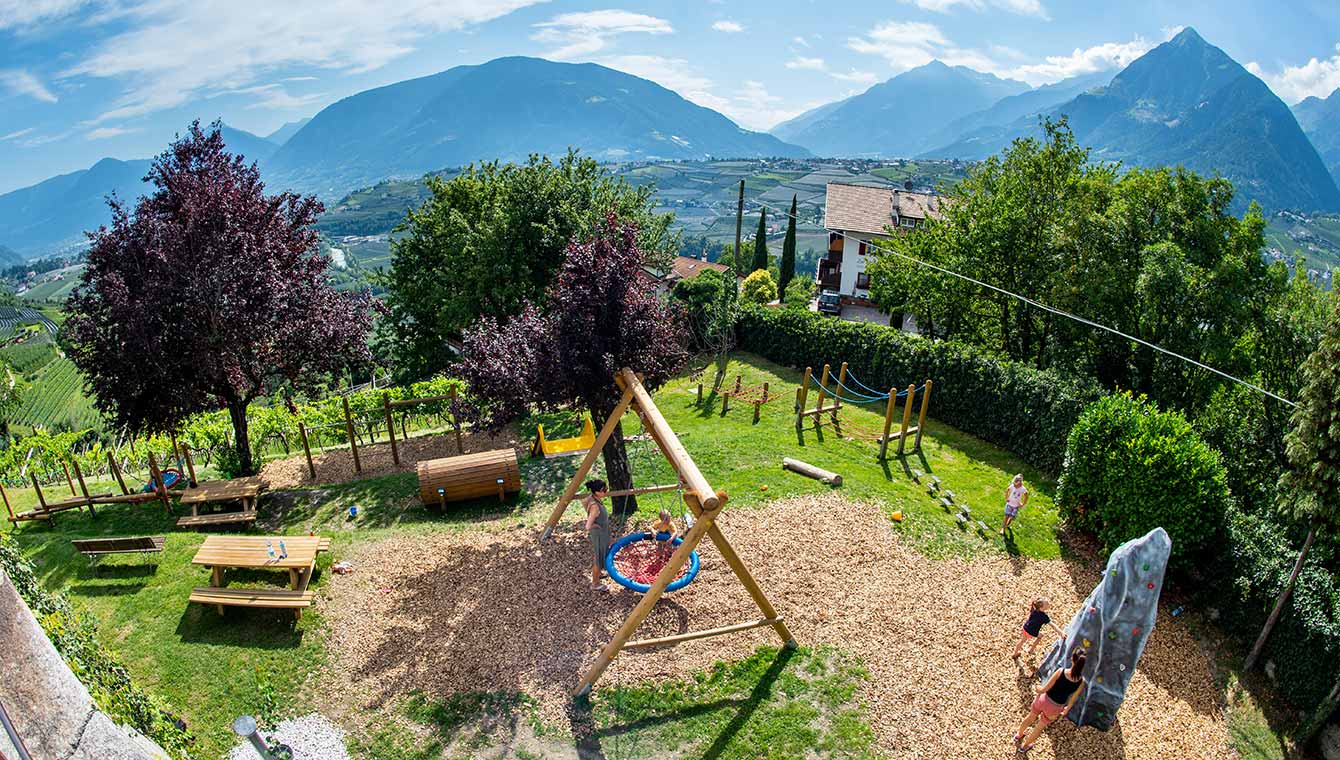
point(704, 503)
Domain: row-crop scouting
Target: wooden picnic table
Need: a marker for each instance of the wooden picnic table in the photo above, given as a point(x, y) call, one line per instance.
point(221, 553)
point(245, 490)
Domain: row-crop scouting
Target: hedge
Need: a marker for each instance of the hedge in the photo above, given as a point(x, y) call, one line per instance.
point(107, 681)
point(1021, 409)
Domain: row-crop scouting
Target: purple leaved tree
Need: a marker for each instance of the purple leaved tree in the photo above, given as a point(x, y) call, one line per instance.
point(601, 314)
point(206, 295)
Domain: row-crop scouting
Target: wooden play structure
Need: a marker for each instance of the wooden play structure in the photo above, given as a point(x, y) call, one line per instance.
point(863, 394)
point(564, 447)
point(388, 412)
point(704, 504)
point(755, 396)
point(469, 476)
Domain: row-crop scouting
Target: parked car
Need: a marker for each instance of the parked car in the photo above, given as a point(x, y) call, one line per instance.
point(830, 302)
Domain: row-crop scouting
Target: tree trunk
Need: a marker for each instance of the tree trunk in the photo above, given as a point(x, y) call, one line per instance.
point(238, 412)
point(1319, 717)
point(1279, 603)
point(618, 472)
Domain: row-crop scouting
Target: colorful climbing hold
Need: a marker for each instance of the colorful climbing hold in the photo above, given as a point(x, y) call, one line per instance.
point(1151, 585)
point(1087, 644)
point(1112, 635)
point(1099, 679)
point(1136, 632)
point(897, 516)
point(1146, 567)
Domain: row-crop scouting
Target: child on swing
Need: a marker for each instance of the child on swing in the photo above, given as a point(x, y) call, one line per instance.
point(665, 533)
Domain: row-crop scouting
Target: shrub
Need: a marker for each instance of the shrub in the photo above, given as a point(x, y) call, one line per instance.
point(1022, 409)
point(1130, 468)
point(759, 288)
point(75, 637)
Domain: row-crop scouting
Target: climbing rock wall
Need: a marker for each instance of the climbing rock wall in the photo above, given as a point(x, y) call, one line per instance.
point(1112, 626)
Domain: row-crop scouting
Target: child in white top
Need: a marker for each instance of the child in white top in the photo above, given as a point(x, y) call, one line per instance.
point(1016, 497)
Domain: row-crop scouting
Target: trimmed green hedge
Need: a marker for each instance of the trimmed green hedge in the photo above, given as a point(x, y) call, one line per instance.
point(75, 637)
point(1024, 410)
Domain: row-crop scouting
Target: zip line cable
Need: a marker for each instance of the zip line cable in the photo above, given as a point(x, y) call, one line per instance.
point(1051, 310)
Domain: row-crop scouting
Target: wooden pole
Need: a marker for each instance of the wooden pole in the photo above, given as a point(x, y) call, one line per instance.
point(758, 404)
point(842, 380)
point(665, 437)
point(747, 579)
point(692, 635)
point(156, 480)
point(349, 429)
point(116, 471)
point(645, 489)
point(739, 224)
point(83, 487)
point(456, 422)
point(907, 417)
point(802, 394)
point(68, 479)
point(8, 508)
point(307, 449)
point(190, 465)
point(700, 393)
point(588, 461)
point(390, 428)
point(888, 423)
point(823, 384)
point(176, 450)
point(37, 489)
point(921, 414)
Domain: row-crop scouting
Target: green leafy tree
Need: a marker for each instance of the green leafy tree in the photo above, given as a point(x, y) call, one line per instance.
point(759, 288)
point(799, 294)
point(760, 260)
point(711, 305)
point(787, 266)
point(491, 239)
point(1312, 481)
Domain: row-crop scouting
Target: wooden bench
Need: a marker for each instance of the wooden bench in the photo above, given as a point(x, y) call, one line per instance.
point(216, 518)
point(267, 598)
point(97, 548)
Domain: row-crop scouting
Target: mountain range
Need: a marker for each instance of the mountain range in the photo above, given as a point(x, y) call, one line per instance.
point(1320, 120)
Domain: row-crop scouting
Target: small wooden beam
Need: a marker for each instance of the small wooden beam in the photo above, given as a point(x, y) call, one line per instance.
point(703, 634)
point(8, 508)
point(588, 461)
point(83, 487)
point(68, 479)
point(700, 392)
point(190, 465)
point(821, 410)
point(823, 384)
point(907, 416)
point(921, 414)
point(349, 431)
point(390, 428)
point(116, 471)
point(307, 449)
point(888, 423)
point(810, 471)
point(37, 488)
point(156, 482)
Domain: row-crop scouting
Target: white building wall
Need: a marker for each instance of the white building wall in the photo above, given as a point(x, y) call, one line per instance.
point(853, 262)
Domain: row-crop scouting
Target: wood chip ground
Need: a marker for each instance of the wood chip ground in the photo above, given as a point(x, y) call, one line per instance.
point(497, 610)
point(337, 465)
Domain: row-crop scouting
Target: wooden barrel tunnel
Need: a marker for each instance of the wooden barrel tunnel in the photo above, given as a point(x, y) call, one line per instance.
point(469, 476)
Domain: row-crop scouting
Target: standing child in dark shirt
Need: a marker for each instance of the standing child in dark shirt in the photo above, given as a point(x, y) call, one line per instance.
point(1037, 617)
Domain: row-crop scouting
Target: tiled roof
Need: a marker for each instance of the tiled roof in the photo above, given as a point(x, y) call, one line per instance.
point(862, 208)
point(686, 268)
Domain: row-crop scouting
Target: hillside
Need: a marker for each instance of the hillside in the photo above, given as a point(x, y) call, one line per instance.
point(1187, 102)
point(9, 257)
point(1320, 120)
point(505, 109)
point(899, 117)
point(289, 129)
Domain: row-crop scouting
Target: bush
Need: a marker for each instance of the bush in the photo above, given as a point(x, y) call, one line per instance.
point(1024, 410)
point(1130, 468)
point(75, 637)
point(759, 288)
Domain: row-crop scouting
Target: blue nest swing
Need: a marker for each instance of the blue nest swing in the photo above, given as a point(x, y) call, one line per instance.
point(636, 559)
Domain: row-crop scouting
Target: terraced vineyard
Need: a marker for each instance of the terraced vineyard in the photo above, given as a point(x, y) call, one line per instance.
point(55, 399)
point(31, 355)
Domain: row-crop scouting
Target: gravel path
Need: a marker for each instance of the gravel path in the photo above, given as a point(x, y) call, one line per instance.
point(311, 737)
point(496, 610)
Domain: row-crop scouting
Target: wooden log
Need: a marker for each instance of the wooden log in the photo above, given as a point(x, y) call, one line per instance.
point(116, 471)
point(907, 417)
point(588, 461)
point(390, 428)
point(700, 393)
point(665, 437)
point(469, 476)
point(921, 414)
point(703, 634)
point(307, 450)
point(888, 423)
point(810, 471)
point(349, 430)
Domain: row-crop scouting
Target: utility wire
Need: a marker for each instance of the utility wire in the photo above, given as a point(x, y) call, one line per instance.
point(1049, 309)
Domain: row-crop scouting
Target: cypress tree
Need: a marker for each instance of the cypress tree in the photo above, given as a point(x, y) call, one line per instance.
point(761, 243)
point(787, 269)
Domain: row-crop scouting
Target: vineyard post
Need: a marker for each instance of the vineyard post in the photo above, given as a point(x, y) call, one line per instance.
point(456, 422)
point(307, 449)
point(390, 426)
point(349, 430)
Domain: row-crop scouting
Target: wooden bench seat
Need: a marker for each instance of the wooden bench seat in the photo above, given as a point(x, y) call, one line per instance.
point(217, 518)
point(97, 547)
point(261, 598)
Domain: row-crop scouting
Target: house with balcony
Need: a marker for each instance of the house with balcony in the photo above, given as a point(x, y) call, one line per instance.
point(856, 216)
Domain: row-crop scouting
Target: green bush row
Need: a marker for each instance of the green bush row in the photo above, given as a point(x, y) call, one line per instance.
point(75, 637)
point(1014, 406)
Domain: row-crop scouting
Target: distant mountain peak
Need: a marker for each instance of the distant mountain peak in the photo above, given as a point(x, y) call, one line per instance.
point(1189, 36)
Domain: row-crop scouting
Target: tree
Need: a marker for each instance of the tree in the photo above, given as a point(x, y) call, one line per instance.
point(600, 315)
point(760, 243)
point(1312, 481)
point(799, 295)
point(787, 267)
point(491, 239)
point(759, 288)
point(711, 304)
point(206, 295)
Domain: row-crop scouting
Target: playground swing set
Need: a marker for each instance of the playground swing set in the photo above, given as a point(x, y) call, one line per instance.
point(705, 507)
point(864, 394)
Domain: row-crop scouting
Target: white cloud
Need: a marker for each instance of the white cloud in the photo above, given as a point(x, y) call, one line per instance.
point(810, 64)
point(1109, 55)
point(581, 34)
point(176, 50)
point(1022, 7)
point(23, 13)
point(904, 45)
point(750, 105)
point(276, 97)
point(105, 133)
point(801, 41)
point(859, 77)
point(1318, 77)
point(16, 135)
point(730, 27)
point(21, 82)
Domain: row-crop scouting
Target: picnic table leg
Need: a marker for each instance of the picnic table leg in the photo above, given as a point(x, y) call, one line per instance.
point(216, 580)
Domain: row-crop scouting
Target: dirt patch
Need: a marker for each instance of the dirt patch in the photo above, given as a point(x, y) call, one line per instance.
point(501, 611)
point(337, 466)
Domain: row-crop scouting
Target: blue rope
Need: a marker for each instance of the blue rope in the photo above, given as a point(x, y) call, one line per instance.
point(852, 376)
point(858, 394)
point(838, 396)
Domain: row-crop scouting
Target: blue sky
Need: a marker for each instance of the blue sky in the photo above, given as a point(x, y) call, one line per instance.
point(83, 79)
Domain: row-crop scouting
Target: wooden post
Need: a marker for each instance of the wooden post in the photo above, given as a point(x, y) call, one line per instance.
point(801, 396)
point(758, 404)
point(307, 449)
point(68, 479)
point(738, 378)
point(842, 380)
point(8, 508)
point(907, 416)
point(37, 489)
point(823, 384)
point(190, 465)
point(588, 461)
point(116, 471)
point(156, 480)
point(888, 423)
point(725, 402)
point(739, 223)
point(349, 429)
point(456, 422)
point(921, 414)
point(669, 443)
point(176, 451)
point(700, 393)
point(83, 487)
point(390, 428)
point(131, 439)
